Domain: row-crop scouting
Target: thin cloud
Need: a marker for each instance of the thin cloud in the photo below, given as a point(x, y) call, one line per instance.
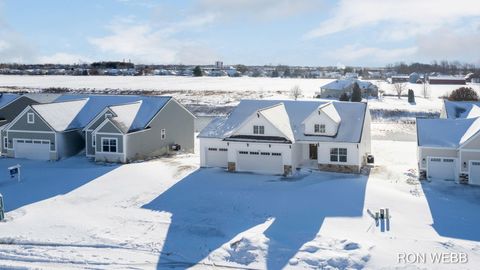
point(351, 14)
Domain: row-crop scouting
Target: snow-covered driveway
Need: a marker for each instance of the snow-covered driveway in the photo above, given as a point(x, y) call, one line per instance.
point(166, 213)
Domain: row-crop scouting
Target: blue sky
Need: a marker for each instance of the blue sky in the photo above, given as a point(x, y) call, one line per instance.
point(294, 32)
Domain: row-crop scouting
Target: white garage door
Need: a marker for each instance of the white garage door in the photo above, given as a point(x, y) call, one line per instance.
point(441, 168)
point(32, 149)
point(261, 162)
point(216, 157)
point(474, 172)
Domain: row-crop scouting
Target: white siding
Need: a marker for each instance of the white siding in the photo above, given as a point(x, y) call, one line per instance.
point(247, 127)
point(331, 127)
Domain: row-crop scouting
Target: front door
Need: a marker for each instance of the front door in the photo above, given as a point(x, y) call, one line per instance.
point(313, 151)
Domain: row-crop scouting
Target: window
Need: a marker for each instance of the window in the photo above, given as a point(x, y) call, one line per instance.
point(108, 115)
point(319, 128)
point(276, 154)
point(223, 149)
point(109, 145)
point(163, 134)
point(254, 153)
point(243, 152)
point(5, 143)
point(338, 154)
point(93, 140)
point(30, 118)
point(322, 128)
point(258, 129)
point(212, 149)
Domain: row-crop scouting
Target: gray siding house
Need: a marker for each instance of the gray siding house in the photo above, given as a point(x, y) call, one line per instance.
point(126, 128)
point(139, 130)
point(11, 105)
point(44, 132)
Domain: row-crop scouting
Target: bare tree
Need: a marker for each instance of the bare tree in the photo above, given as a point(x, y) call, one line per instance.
point(425, 89)
point(295, 92)
point(399, 88)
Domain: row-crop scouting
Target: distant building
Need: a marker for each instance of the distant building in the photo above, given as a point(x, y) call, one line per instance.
point(400, 78)
point(219, 64)
point(473, 77)
point(336, 88)
point(447, 80)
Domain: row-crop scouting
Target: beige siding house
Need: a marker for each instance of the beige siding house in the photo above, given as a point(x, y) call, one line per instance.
point(449, 147)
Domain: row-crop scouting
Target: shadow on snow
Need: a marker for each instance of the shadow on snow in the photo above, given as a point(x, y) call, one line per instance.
point(41, 180)
point(454, 208)
point(210, 207)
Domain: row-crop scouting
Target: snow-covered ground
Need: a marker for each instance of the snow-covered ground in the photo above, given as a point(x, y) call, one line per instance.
point(217, 95)
point(168, 213)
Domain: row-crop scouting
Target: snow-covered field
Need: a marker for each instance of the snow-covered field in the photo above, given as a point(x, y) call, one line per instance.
point(168, 213)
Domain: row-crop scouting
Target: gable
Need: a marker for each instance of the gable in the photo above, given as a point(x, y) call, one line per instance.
point(257, 119)
point(21, 123)
point(108, 127)
point(11, 110)
point(98, 119)
point(324, 115)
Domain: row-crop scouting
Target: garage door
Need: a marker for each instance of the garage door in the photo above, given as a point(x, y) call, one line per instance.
point(32, 149)
point(216, 157)
point(261, 162)
point(441, 168)
point(474, 172)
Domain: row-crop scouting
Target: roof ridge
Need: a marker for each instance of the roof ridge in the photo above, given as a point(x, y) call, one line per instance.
point(61, 101)
point(127, 103)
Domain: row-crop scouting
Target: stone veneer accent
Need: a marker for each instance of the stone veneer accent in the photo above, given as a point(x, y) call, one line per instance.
point(231, 166)
point(287, 170)
point(339, 168)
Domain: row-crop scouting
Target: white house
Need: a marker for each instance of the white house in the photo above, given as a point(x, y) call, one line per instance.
point(278, 137)
point(449, 147)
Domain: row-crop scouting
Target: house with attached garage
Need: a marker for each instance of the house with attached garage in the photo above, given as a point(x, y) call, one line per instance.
point(449, 149)
point(140, 129)
point(126, 128)
point(44, 131)
point(280, 136)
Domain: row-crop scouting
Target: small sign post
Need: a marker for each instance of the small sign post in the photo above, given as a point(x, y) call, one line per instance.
point(15, 171)
point(2, 208)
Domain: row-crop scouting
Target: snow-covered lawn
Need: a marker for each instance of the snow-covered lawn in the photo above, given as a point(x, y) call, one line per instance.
point(167, 213)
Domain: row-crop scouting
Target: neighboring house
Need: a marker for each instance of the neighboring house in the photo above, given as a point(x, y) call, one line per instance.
point(460, 109)
point(45, 131)
point(57, 130)
point(10, 106)
point(133, 131)
point(336, 88)
point(278, 137)
point(449, 147)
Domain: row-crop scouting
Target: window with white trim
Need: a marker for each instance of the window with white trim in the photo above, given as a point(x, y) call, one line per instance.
point(319, 128)
point(338, 154)
point(5, 143)
point(258, 129)
point(163, 134)
point(108, 115)
point(30, 118)
point(93, 139)
point(109, 145)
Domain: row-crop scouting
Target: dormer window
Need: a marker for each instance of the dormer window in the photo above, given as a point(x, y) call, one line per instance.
point(319, 128)
point(30, 118)
point(258, 129)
